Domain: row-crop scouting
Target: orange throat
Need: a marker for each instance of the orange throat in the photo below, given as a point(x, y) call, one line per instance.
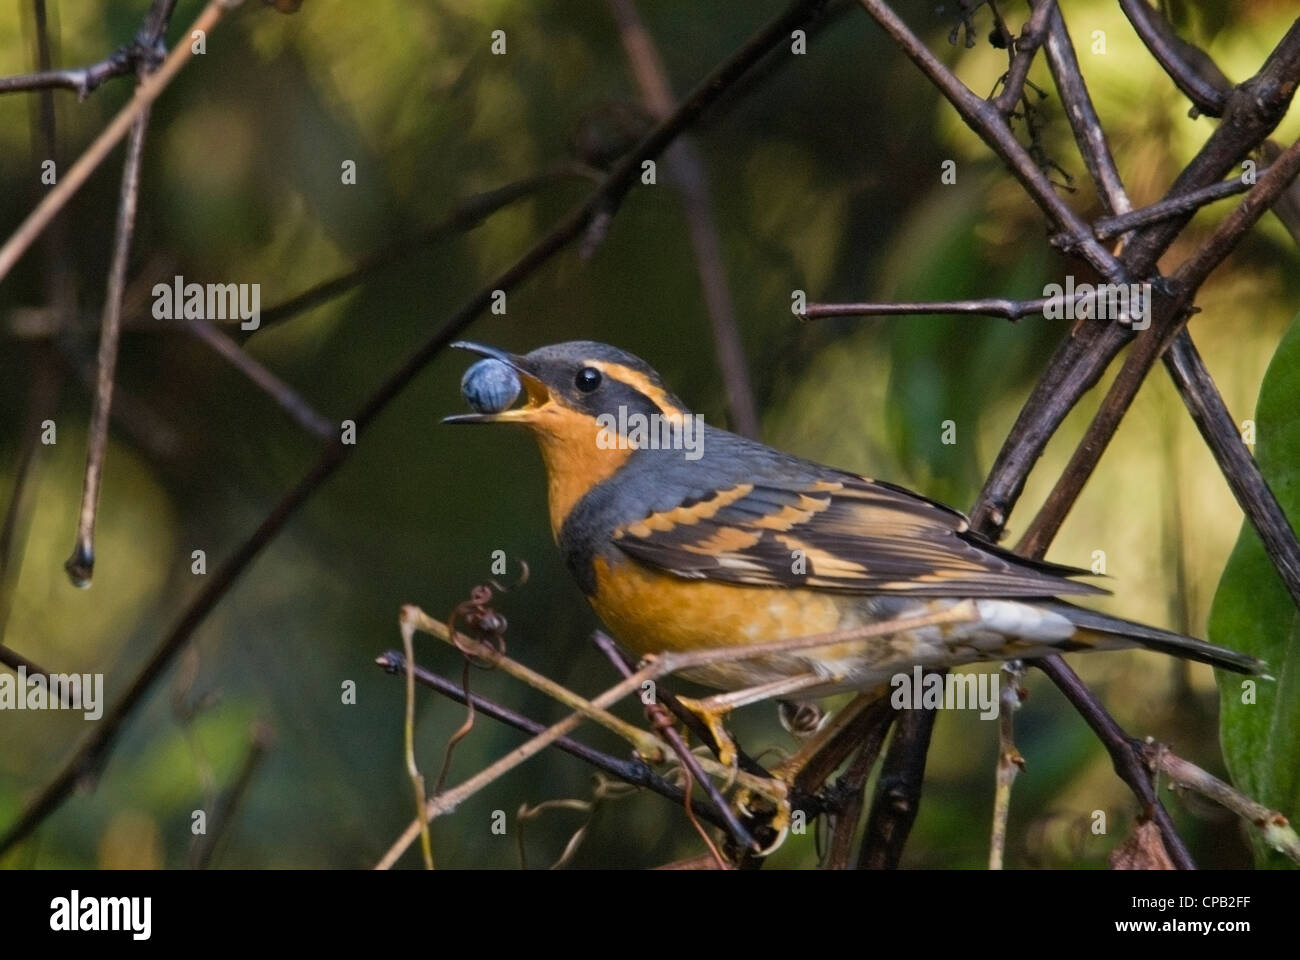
point(574, 462)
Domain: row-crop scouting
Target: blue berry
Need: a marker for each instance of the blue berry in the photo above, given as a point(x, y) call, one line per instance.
point(490, 386)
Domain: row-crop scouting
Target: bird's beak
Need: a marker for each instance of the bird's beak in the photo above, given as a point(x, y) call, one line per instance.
point(536, 391)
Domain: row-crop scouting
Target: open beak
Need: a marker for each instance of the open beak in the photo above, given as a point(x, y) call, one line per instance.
point(536, 391)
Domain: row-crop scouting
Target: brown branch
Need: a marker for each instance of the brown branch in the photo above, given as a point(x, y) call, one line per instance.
point(1194, 73)
point(1108, 227)
point(1239, 468)
point(1082, 116)
point(898, 792)
point(1003, 307)
point(127, 59)
point(1125, 754)
point(687, 173)
point(93, 753)
point(146, 93)
point(1027, 44)
point(81, 564)
point(289, 400)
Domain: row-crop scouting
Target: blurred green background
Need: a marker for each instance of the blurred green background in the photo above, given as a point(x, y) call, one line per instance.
point(824, 170)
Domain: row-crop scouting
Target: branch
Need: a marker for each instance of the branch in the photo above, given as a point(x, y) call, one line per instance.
point(1274, 828)
point(898, 792)
point(1125, 753)
point(289, 400)
point(1082, 116)
point(1027, 44)
point(1108, 227)
point(686, 170)
point(81, 564)
point(145, 94)
point(1002, 307)
point(1192, 71)
point(1239, 468)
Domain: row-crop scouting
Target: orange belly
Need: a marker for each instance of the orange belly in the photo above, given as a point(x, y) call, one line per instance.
point(652, 612)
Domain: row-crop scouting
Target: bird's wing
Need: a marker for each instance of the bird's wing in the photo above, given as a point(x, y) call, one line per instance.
point(846, 534)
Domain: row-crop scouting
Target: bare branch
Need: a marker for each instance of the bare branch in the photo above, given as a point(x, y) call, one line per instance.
point(286, 396)
point(1194, 73)
point(145, 94)
point(81, 564)
point(686, 170)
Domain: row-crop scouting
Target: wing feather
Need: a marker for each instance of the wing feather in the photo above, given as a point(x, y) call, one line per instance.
point(847, 534)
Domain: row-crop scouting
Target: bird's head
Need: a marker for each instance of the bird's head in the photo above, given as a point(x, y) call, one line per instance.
point(582, 402)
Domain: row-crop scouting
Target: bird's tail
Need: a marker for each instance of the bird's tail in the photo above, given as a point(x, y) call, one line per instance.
point(1108, 631)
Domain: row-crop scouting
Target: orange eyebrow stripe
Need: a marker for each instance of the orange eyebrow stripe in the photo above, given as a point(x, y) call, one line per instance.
point(642, 384)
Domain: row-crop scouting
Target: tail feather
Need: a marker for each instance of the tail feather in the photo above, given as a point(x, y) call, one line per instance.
point(1153, 638)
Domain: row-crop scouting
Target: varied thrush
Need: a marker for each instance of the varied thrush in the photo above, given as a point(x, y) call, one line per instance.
point(686, 537)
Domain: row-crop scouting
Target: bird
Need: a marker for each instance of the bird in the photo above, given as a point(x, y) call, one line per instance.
point(686, 537)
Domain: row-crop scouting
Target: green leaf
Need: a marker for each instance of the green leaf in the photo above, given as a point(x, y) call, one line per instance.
point(1253, 612)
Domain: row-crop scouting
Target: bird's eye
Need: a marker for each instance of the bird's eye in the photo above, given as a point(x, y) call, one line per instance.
point(588, 379)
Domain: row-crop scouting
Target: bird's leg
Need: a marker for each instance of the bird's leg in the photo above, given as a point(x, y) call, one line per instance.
point(712, 710)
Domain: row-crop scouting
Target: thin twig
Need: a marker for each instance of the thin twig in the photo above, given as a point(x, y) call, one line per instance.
point(1125, 754)
point(1274, 828)
point(1082, 116)
point(145, 94)
point(1027, 44)
point(1109, 227)
point(288, 399)
point(1239, 468)
point(1003, 307)
point(1010, 762)
point(687, 173)
point(1201, 81)
point(81, 564)
point(408, 740)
